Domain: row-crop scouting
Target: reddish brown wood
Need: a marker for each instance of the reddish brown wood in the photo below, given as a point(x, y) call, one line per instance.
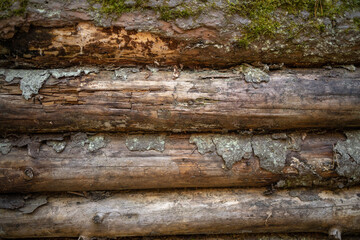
point(180, 165)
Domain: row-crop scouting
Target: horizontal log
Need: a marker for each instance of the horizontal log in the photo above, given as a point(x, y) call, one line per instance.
point(203, 33)
point(81, 162)
point(187, 212)
point(243, 236)
point(142, 100)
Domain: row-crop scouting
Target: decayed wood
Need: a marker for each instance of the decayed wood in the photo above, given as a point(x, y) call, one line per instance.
point(114, 162)
point(63, 34)
point(129, 100)
point(188, 212)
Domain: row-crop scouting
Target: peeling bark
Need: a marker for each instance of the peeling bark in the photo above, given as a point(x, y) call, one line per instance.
point(41, 37)
point(174, 161)
point(195, 101)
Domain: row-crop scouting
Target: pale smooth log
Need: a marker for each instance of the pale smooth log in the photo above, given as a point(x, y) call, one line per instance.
point(188, 212)
point(198, 101)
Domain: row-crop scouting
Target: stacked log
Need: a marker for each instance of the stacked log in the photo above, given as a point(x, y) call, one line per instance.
point(179, 120)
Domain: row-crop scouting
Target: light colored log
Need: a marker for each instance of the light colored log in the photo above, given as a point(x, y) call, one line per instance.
point(188, 212)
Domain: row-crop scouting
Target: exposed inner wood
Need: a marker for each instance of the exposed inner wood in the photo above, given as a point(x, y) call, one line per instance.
point(63, 34)
point(195, 101)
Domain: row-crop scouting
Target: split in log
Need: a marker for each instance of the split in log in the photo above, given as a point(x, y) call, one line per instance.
point(201, 33)
point(140, 100)
point(81, 162)
point(205, 211)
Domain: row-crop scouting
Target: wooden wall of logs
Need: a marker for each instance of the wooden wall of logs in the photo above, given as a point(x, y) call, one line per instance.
point(140, 127)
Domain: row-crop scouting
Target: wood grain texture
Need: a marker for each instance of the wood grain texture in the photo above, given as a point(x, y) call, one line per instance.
point(117, 166)
point(64, 34)
point(195, 101)
point(244, 236)
point(188, 212)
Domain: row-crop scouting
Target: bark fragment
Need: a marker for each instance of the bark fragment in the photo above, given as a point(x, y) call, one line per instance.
point(272, 153)
point(347, 155)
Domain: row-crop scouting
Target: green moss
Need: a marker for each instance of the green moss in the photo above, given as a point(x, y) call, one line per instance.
point(243, 42)
point(9, 8)
point(357, 23)
point(167, 13)
point(264, 24)
point(116, 6)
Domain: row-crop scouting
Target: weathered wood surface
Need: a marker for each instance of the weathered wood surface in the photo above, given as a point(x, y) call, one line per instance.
point(139, 100)
point(62, 34)
point(187, 212)
point(115, 162)
point(243, 236)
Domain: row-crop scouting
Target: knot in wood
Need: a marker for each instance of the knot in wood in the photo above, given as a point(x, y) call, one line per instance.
point(29, 174)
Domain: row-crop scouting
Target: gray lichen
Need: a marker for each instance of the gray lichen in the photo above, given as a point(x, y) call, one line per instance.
point(145, 142)
point(32, 80)
point(31, 83)
point(61, 73)
point(253, 75)
point(123, 73)
point(204, 143)
point(272, 153)
point(33, 203)
point(5, 146)
point(294, 141)
point(96, 143)
point(231, 148)
point(58, 146)
point(347, 155)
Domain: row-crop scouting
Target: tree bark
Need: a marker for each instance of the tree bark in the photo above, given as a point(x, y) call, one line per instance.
point(115, 162)
point(187, 212)
point(60, 34)
point(128, 100)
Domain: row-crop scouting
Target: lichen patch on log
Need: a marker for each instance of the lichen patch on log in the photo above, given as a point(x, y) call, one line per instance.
point(204, 143)
point(22, 203)
point(33, 203)
point(271, 153)
point(58, 146)
point(231, 148)
point(32, 80)
point(253, 75)
point(234, 148)
point(96, 143)
point(146, 142)
point(347, 155)
point(5, 146)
